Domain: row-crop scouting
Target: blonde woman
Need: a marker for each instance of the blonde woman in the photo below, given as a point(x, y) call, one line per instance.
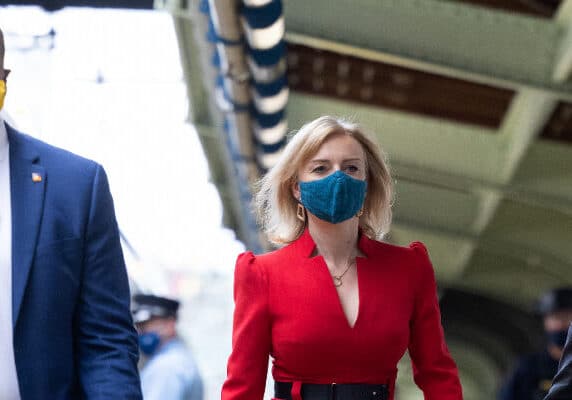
point(334, 307)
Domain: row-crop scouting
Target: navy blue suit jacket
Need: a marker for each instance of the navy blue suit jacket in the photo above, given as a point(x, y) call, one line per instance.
point(73, 334)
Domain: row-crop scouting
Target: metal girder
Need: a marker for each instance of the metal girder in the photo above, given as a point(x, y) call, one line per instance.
point(527, 115)
point(496, 246)
point(229, 170)
point(425, 176)
point(529, 111)
point(53, 5)
point(444, 143)
point(223, 179)
point(203, 113)
point(199, 112)
point(450, 38)
point(563, 64)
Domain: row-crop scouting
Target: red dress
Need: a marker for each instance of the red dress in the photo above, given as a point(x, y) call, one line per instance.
point(286, 306)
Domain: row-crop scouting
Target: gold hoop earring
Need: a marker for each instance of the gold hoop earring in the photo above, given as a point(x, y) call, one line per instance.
point(359, 213)
point(301, 212)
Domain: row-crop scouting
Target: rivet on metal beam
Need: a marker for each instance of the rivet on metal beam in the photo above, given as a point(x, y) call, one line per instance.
point(342, 88)
point(344, 68)
point(395, 97)
point(402, 79)
point(366, 92)
point(293, 59)
point(318, 65)
point(293, 79)
point(318, 84)
point(368, 74)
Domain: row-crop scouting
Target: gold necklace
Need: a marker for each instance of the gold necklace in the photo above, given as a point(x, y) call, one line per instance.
point(338, 278)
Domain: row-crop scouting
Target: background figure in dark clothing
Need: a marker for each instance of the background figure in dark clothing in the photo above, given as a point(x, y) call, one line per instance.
point(532, 377)
point(562, 386)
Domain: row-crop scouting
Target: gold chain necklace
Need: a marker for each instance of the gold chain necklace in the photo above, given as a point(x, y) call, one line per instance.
point(338, 278)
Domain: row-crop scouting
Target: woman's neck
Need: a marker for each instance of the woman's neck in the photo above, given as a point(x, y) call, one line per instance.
point(337, 243)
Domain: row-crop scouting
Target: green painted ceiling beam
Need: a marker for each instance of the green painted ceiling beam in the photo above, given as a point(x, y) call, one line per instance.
point(193, 71)
point(526, 117)
point(477, 43)
point(448, 248)
point(471, 151)
point(563, 64)
point(190, 27)
point(452, 182)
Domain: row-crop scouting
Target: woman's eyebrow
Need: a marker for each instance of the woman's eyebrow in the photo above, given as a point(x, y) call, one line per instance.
point(320, 160)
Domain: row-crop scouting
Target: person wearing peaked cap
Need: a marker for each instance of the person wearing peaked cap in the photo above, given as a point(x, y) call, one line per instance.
point(147, 306)
point(65, 326)
point(169, 371)
point(532, 377)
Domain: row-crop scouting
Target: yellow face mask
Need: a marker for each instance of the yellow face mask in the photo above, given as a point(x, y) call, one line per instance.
point(2, 93)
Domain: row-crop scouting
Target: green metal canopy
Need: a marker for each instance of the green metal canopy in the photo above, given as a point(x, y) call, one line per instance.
point(472, 101)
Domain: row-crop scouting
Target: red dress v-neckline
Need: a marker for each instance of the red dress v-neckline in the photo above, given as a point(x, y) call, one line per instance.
point(331, 290)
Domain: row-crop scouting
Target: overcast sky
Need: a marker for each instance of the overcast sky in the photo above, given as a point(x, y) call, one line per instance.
point(117, 95)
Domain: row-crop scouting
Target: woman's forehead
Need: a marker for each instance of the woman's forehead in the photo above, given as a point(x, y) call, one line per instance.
point(340, 145)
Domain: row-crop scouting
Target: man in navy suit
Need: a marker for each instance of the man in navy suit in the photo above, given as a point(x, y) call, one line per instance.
point(65, 325)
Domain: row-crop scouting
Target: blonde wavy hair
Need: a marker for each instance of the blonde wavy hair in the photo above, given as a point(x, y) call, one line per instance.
point(275, 202)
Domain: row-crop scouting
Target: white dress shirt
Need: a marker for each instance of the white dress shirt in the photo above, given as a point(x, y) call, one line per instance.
point(8, 378)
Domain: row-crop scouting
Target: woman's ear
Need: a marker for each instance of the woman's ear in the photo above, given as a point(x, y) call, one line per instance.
point(296, 190)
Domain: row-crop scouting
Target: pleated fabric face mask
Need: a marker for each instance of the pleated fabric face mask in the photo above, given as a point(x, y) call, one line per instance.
point(335, 198)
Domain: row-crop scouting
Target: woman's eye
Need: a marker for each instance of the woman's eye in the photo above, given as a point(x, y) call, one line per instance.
point(319, 169)
point(351, 168)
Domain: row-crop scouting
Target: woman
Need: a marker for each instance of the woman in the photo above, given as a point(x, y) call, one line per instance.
point(335, 308)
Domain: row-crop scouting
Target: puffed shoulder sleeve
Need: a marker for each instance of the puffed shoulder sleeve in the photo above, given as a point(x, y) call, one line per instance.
point(434, 371)
point(248, 363)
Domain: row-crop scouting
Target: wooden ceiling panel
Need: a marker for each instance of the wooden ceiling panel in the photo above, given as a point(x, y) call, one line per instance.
point(331, 74)
point(537, 8)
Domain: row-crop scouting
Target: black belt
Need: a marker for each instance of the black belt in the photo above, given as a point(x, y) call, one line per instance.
point(333, 391)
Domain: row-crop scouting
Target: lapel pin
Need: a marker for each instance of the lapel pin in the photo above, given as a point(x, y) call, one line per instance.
point(36, 177)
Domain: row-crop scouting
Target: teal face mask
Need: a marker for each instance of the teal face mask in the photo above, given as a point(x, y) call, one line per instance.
point(335, 198)
point(149, 342)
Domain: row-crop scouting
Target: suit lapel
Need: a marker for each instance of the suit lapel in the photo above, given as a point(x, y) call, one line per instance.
point(27, 186)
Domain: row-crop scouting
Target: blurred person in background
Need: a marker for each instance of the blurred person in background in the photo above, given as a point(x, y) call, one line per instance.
point(328, 200)
point(169, 370)
point(66, 332)
point(532, 377)
point(561, 388)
